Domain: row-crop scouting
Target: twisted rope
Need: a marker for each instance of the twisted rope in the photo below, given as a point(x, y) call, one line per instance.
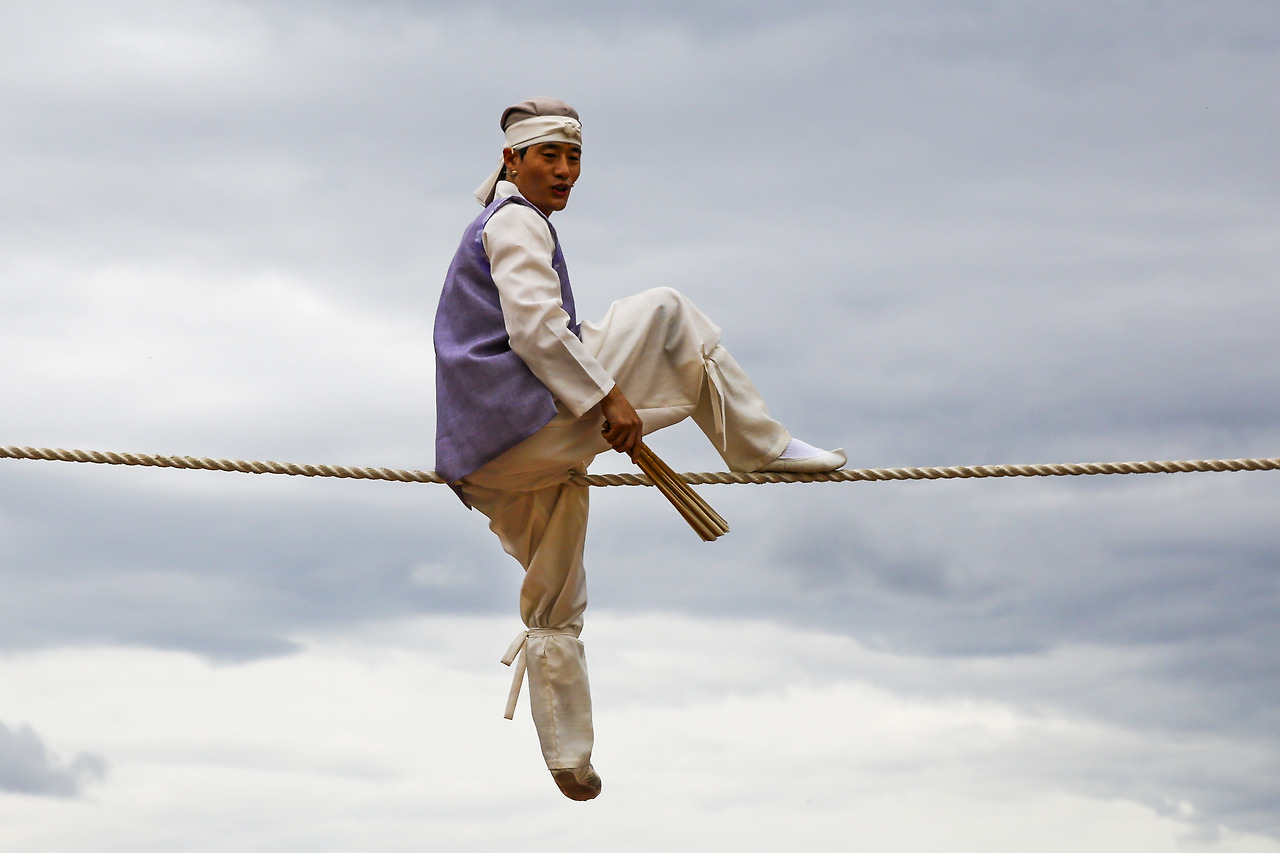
point(205, 464)
point(701, 479)
point(955, 472)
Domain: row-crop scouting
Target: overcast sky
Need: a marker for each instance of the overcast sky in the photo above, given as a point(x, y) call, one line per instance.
point(936, 232)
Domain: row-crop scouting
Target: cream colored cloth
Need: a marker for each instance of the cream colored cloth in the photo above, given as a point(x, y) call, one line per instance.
point(519, 244)
point(666, 357)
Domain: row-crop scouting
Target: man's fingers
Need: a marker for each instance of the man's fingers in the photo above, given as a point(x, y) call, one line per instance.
point(622, 439)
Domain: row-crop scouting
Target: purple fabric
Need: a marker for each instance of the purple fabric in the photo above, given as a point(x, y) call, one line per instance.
point(487, 399)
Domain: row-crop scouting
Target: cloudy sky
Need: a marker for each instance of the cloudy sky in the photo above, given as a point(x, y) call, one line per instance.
point(937, 232)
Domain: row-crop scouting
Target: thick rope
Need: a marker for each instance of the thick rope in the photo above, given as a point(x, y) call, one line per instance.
point(848, 475)
point(205, 464)
point(703, 479)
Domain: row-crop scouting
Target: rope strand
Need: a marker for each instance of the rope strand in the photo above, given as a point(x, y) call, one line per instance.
point(707, 478)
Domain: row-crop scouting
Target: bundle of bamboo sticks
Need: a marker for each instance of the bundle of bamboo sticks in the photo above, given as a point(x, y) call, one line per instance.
point(704, 520)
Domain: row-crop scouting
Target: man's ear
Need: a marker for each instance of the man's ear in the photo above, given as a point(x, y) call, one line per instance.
point(510, 158)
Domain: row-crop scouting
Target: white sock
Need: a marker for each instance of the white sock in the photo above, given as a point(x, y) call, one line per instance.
point(797, 449)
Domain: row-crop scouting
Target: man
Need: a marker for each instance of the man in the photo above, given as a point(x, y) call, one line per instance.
point(527, 396)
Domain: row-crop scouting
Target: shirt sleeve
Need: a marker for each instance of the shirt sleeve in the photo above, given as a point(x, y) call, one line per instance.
point(520, 247)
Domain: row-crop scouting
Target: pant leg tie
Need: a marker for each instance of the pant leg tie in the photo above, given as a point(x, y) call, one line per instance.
point(516, 653)
point(715, 383)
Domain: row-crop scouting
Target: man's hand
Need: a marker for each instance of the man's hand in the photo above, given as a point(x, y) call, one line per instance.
point(623, 428)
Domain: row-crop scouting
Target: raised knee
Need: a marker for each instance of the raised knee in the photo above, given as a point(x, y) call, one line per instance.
point(668, 303)
point(667, 297)
point(679, 319)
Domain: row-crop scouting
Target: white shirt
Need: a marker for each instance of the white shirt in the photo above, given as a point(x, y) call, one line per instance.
point(519, 244)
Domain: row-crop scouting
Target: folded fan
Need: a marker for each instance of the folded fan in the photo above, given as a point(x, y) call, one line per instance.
point(705, 521)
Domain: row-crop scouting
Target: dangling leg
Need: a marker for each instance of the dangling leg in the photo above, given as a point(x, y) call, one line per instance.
point(545, 530)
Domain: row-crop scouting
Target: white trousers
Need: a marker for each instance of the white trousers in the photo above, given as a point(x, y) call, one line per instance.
point(665, 356)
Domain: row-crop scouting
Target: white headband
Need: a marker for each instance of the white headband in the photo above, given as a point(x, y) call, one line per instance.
point(532, 131)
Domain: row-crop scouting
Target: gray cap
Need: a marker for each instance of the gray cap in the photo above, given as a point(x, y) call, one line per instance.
point(537, 107)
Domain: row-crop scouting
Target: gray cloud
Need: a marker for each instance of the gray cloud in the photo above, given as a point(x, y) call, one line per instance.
point(219, 569)
point(28, 767)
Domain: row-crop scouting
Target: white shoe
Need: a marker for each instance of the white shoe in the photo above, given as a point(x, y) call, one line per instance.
point(801, 458)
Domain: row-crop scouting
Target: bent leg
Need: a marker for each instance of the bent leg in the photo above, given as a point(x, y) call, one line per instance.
point(666, 356)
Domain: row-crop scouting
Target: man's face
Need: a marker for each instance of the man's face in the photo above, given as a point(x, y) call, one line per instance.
point(546, 173)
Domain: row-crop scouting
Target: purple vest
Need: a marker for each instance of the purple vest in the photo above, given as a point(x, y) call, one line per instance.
point(487, 399)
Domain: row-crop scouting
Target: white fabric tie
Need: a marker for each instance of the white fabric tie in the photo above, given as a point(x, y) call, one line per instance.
point(516, 653)
point(715, 382)
point(537, 129)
